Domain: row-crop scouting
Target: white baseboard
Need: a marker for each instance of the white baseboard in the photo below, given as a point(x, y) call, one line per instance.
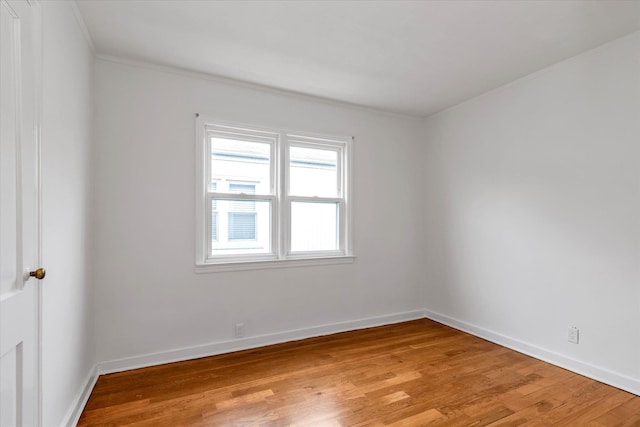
point(177, 355)
point(597, 373)
point(75, 410)
point(606, 376)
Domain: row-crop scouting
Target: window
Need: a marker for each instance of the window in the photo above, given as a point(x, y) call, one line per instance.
point(266, 196)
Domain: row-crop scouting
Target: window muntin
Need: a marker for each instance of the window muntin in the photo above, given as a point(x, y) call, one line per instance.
point(273, 195)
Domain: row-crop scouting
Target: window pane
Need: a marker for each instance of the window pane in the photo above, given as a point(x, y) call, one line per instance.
point(314, 226)
point(242, 227)
point(242, 160)
point(313, 172)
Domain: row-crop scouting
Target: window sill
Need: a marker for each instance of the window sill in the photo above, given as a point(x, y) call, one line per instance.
point(269, 264)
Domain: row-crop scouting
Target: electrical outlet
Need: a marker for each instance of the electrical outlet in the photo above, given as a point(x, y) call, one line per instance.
point(573, 335)
point(239, 331)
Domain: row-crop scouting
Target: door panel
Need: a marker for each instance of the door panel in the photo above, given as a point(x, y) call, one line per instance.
point(19, 223)
point(8, 178)
point(10, 383)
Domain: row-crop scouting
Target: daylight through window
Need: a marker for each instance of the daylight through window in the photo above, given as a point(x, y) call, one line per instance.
point(271, 195)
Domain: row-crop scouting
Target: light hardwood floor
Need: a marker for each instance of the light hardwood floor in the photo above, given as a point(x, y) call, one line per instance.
point(409, 374)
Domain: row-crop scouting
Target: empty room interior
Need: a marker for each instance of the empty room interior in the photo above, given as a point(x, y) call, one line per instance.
point(320, 213)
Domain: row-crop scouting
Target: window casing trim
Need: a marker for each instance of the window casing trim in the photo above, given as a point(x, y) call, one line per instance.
point(270, 263)
point(280, 254)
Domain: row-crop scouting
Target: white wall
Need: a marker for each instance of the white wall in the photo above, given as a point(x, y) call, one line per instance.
point(533, 212)
point(148, 297)
point(68, 339)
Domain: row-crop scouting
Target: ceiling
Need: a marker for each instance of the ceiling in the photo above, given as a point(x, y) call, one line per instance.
point(408, 57)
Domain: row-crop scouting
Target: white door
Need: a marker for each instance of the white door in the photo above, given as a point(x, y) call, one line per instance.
point(19, 213)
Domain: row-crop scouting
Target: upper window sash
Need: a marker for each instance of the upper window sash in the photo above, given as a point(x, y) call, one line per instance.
point(338, 147)
point(242, 135)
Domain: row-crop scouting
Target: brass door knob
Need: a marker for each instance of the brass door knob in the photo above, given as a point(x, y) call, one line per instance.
point(38, 274)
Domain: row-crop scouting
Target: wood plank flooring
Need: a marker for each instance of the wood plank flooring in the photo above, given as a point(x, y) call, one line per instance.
point(410, 374)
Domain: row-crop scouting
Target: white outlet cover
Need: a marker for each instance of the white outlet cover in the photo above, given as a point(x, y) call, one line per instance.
point(239, 332)
point(573, 335)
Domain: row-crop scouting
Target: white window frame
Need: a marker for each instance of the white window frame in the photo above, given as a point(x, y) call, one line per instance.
point(280, 254)
point(328, 145)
